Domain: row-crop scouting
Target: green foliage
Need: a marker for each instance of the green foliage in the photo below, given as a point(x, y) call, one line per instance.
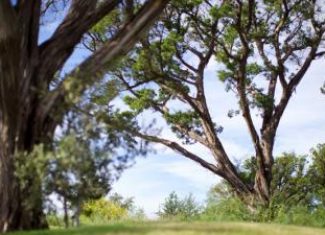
point(226, 209)
point(253, 69)
point(300, 215)
point(76, 171)
point(179, 209)
point(109, 20)
point(225, 75)
point(263, 101)
point(105, 93)
point(138, 214)
point(185, 119)
point(171, 207)
point(291, 184)
point(37, 162)
point(230, 208)
point(55, 221)
point(142, 101)
point(317, 173)
point(102, 211)
point(217, 12)
point(168, 45)
point(126, 203)
point(186, 4)
point(188, 120)
point(297, 192)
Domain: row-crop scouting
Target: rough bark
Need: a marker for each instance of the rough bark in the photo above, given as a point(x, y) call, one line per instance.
point(28, 113)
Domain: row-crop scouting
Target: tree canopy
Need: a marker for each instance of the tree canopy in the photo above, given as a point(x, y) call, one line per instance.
point(262, 49)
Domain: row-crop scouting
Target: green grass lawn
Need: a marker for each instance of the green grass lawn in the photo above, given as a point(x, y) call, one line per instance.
point(195, 228)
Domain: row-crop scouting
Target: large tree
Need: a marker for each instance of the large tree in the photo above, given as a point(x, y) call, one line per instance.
point(263, 50)
point(34, 97)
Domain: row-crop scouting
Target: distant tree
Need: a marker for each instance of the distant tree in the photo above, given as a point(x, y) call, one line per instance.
point(190, 208)
point(292, 186)
point(171, 206)
point(263, 50)
point(127, 203)
point(35, 94)
point(317, 173)
point(174, 207)
point(86, 160)
point(77, 174)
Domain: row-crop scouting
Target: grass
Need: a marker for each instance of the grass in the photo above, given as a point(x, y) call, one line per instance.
point(195, 228)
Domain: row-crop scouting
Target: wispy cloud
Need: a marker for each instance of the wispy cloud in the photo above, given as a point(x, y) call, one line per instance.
point(301, 128)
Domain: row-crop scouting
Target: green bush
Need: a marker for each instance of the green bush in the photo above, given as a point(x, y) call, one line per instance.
point(232, 209)
point(102, 211)
point(300, 215)
point(228, 209)
point(55, 221)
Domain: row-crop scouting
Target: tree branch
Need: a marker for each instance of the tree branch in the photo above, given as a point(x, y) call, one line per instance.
point(82, 16)
point(293, 83)
point(178, 148)
point(93, 68)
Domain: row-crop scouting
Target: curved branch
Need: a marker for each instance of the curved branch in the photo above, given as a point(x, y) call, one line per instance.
point(178, 148)
point(82, 16)
point(93, 68)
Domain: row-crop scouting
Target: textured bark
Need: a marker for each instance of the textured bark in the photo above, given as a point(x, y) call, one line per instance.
point(29, 112)
point(9, 114)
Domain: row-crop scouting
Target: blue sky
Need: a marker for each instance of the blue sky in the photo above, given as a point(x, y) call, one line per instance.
point(302, 127)
point(152, 178)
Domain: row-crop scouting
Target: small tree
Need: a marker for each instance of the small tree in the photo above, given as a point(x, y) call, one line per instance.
point(317, 174)
point(171, 206)
point(174, 207)
point(77, 174)
point(292, 186)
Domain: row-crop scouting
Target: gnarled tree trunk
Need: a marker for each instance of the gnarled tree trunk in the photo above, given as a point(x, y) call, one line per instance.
point(29, 109)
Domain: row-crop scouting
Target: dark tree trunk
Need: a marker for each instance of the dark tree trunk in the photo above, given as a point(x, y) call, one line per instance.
point(17, 210)
point(29, 111)
point(18, 126)
point(8, 185)
point(66, 214)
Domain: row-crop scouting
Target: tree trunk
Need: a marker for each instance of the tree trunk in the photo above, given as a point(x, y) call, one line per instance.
point(263, 176)
point(78, 211)
point(8, 193)
point(19, 126)
point(26, 71)
point(17, 210)
point(66, 215)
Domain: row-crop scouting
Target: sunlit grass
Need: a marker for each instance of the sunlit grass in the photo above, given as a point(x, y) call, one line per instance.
point(193, 228)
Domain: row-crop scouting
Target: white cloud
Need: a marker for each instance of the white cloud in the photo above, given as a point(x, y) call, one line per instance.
point(191, 172)
point(301, 128)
